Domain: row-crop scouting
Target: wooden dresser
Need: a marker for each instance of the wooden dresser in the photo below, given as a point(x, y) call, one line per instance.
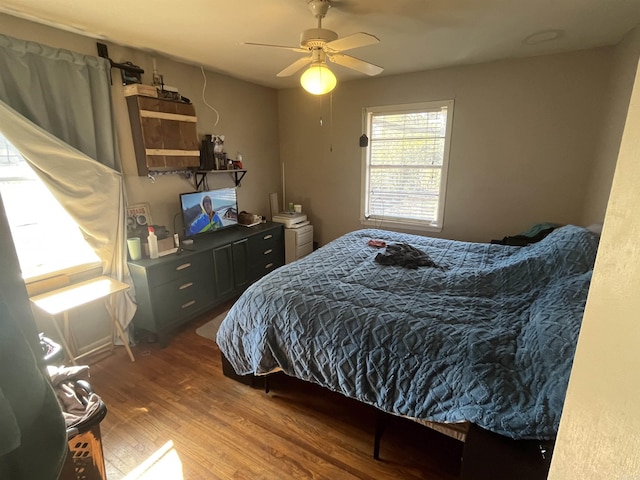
point(176, 288)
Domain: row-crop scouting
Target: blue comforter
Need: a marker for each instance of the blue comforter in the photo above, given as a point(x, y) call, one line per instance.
point(489, 338)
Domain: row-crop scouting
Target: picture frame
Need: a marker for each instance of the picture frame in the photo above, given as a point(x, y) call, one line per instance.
point(221, 161)
point(138, 218)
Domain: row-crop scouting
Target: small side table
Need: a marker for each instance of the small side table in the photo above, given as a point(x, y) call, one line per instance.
point(66, 298)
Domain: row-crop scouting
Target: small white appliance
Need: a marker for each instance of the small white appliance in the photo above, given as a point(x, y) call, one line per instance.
point(291, 220)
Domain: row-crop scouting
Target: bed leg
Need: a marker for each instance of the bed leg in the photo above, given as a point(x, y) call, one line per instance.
point(381, 425)
point(266, 384)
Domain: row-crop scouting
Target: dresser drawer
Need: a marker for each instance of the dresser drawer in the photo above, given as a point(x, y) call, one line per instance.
point(193, 267)
point(177, 300)
point(269, 255)
point(261, 243)
point(260, 269)
point(298, 242)
point(266, 252)
point(304, 250)
point(304, 235)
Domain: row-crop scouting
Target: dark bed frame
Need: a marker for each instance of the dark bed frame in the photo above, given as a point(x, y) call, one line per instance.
point(486, 455)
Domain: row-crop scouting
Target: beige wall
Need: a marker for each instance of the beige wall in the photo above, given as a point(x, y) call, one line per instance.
point(248, 115)
point(247, 119)
point(523, 142)
point(599, 435)
point(623, 71)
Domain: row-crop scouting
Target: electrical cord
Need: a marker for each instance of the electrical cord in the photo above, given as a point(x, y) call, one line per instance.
point(204, 86)
point(174, 222)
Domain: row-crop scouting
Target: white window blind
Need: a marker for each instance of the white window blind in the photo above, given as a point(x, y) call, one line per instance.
point(47, 240)
point(406, 164)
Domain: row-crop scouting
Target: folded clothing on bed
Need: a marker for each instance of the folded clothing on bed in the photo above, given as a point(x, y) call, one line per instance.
point(404, 255)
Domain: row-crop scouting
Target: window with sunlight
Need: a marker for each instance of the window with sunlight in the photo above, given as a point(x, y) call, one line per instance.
point(46, 238)
point(405, 165)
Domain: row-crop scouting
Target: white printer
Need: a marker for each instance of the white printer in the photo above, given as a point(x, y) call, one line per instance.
point(291, 220)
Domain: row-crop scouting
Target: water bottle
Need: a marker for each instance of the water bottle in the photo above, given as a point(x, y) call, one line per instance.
point(153, 243)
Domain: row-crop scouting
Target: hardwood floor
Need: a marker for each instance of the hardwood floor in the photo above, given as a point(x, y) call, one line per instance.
point(173, 415)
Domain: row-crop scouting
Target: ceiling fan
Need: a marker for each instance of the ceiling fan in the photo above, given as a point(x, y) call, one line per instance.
point(323, 45)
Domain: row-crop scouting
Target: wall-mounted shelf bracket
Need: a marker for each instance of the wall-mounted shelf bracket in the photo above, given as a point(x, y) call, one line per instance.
point(201, 176)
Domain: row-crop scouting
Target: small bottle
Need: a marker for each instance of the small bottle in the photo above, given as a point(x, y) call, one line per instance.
point(153, 244)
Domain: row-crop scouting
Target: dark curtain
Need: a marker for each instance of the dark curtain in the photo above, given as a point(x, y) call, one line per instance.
point(33, 439)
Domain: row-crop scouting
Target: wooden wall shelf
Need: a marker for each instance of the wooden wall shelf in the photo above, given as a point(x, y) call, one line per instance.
point(164, 134)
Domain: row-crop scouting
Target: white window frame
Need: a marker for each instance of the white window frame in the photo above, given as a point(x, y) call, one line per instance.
point(395, 222)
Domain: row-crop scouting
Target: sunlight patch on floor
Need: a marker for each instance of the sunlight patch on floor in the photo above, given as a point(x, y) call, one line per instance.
point(164, 464)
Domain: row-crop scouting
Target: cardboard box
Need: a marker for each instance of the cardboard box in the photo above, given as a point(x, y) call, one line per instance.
point(163, 245)
point(139, 89)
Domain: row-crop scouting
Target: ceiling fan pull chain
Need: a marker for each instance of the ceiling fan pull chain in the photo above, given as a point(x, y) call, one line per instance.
point(331, 122)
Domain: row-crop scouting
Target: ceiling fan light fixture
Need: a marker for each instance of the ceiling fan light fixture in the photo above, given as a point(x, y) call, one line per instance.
point(318, 79)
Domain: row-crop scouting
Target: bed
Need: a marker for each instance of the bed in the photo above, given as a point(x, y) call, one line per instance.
point(484, 334)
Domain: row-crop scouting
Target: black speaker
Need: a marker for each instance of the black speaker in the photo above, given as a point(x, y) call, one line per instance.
point(207, 158)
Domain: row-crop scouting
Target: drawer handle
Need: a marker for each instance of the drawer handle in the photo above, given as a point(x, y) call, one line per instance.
point(186, 285)
point(183, 266)
point(267, 252)
point(267, 237)
point(268, 266)
point(188, 304)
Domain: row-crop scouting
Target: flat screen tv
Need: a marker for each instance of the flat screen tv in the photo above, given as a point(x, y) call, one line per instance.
point(208, 211)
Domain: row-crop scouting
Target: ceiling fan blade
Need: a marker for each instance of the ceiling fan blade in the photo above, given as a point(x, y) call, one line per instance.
point(293, 49)
point(356, 40)
point(294, 67)
point(355, 64)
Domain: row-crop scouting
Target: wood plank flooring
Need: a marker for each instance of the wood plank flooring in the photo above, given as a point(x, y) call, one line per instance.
point(173, 415)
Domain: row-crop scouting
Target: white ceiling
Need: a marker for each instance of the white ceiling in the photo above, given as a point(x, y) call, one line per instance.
point(414, 35)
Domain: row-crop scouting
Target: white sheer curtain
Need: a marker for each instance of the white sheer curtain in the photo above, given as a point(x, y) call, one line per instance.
point(55, 108)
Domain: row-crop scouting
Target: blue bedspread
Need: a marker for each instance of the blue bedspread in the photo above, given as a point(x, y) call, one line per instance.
point(489, 338)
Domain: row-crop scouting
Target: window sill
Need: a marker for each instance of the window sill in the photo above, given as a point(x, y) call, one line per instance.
point(50, 281)
point(395, 225)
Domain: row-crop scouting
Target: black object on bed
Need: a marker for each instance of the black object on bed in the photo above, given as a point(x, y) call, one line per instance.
point(488, 338)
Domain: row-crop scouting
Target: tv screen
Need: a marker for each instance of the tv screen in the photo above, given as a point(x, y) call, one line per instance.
point(204, 212)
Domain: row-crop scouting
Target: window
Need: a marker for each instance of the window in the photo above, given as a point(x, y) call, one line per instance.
point(47, 240)
point(405, 165)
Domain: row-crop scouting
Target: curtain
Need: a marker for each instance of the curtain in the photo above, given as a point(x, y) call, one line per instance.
point(55, 108)
point(65, 93)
